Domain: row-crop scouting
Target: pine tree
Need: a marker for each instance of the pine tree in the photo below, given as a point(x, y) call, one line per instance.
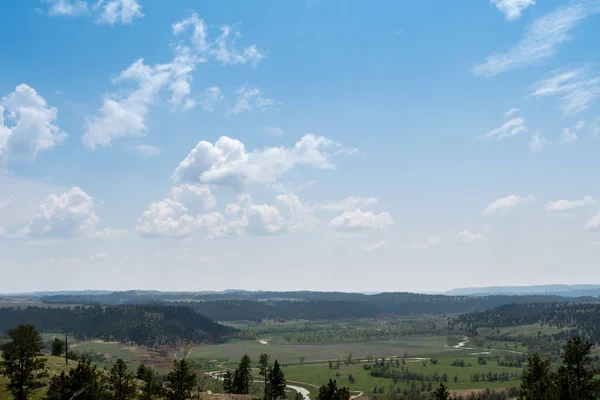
point(182, 381)
point(84, 380)
point(58, 347)
point(332, 392)
point(22, 361)
point(120, 381)
point(537, 380)
point(228, 382)
point(276, 382)
point(152, 387)
point(441, 393)
point(242, 377)
point(263, 364)
point(578, 367)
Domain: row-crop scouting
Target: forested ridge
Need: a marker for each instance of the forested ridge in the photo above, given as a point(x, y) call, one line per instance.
point(256, 306)
point(144, 325)
point(577, 318)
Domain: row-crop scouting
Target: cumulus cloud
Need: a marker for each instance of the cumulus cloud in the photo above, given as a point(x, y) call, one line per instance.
point(350, 203)
point(227, 162)
point(194, 197)
point(248, 98)
point(510, 128)
point(31, 128)
point(507, 203)
point(542, 39)
point(370, 247)
point(537, 143)
point(432, 241)
point(512, 8)
point(360, 221)
point(576, 88)
point(468, 238)
point(62, 216)
point(106, 11)
point(559, 206)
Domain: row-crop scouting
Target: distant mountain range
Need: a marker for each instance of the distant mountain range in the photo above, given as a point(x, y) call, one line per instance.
point(556, 290)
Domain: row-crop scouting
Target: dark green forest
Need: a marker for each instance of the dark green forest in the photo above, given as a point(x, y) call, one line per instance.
point(148, 325)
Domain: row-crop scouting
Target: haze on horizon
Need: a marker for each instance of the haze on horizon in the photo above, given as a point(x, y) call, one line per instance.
point(299, 145)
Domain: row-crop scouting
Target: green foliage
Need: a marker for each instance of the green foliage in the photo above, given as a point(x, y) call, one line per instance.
point(276, 383)
point(441, 393)
point(151, 386)
point(84, 380)
point(228, 382)
point(242, 377)
point(182, 381)
point(120, 381)
point(537, 381)
point(58, 347)
point(22, 361)
point(263, 365)
point(330, 391)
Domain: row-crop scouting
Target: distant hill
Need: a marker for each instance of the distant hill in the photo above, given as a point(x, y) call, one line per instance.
point(555, 290)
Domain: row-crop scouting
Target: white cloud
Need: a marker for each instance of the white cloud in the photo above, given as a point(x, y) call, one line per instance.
point(350, 203)
point(596, 127)
point(32, 128)
point(360, 221)
point(507, 203)
point(510, 128)
point(107, 11)
point(194, 197)
point(432, 241)
point(580, 124)
point(62, 216)
point(577, 88)
point(568, 205)
point(537, 143)
point(374, 246)
point(593, 224)
point(466, 237)
point(347, 151)
point(211, 97)
point(169, 218)
point(118, 11)
point(568, 136)
point(71, 8)
point(110, 234)
point(227, 162)
point(147, 150)
point(199, 33)
point(274, 131)
point(510, 112)
point(224, 49)
point(542, 39)
point(512, 8)
point(249, 98)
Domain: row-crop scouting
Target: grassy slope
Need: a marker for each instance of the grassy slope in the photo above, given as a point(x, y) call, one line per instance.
point(54, 366)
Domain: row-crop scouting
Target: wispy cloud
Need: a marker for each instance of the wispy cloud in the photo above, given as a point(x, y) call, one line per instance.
point(510, 112)
point(273, 131)
point(559, 206)
point(510, 128)
point(469, 238)
point(568, 136)
point(370, 247)
point(249, 98)
point(211, 97)
point(507, 203)
point(512, 8)
point(538, 143)
point(147, 150)
point(542, 39)
point(432, 241)
point(576, 88)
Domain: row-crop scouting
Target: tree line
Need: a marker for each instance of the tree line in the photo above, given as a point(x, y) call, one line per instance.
point(149, 325)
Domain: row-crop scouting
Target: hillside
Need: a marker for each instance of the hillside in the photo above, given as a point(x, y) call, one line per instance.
point(54, 366)
point(145, 325)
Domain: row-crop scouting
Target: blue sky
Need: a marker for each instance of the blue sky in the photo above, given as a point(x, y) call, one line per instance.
point(321, 144)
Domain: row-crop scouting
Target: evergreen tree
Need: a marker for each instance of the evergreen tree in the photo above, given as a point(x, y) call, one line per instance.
point(228, 382)
point(242, 377)
point(442, 393)
point(151, 387)
point(85, 381)
point(276, 383)
point(537, 381)
point(120, 381)
point(578, 367)
point(332, 392)
point(263, 365)
point(58, 347)
point(182, 381)
point(22, 361)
